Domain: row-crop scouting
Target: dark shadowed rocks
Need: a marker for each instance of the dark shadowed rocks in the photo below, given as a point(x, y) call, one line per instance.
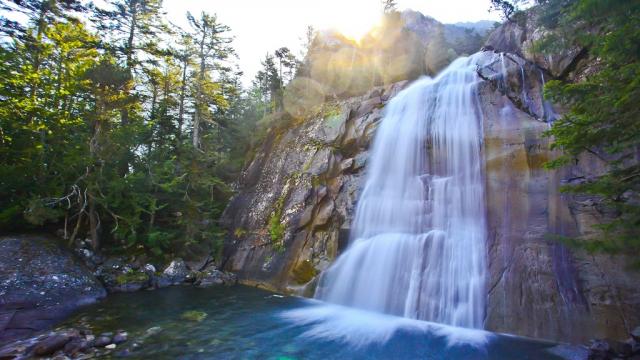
point(40, 282)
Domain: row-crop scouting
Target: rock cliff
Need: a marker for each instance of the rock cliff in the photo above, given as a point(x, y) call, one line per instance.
point(291, 216)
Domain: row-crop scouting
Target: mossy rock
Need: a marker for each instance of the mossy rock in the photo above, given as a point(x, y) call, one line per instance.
point(304, 272)
point(194, 315)
point(132, 277)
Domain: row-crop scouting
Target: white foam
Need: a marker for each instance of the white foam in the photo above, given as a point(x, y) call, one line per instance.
point(360, 328)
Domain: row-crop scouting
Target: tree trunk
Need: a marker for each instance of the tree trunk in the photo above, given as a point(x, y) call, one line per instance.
point(197, 114)
point(36, 56)
point(124, 113)
point(94, 150)
point(183, 90)
point(94, 224)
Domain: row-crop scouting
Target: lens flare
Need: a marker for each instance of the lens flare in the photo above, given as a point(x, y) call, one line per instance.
point(355, 20)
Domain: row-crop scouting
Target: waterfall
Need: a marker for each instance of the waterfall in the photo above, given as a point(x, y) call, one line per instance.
point(549, 114)
point(417, 246)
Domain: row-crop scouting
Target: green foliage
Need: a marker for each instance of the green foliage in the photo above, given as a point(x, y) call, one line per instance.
point(331, 110)
point(510, 9)
point(132, 277)
point(304, 272)
point(38, 213)
point(276, 227)
point(603, 116)
point(98, 128)
point(239, 232)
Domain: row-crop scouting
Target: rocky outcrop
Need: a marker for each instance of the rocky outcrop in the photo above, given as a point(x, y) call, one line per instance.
point(405, 46)
point(537, 286)
point(291, 216)
point(40, 282)
point(119, 275)
point(520, 37)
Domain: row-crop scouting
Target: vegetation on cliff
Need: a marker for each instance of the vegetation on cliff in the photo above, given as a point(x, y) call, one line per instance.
point(603, 111)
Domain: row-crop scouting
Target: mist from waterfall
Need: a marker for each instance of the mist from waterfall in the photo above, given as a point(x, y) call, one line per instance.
point(417, 246)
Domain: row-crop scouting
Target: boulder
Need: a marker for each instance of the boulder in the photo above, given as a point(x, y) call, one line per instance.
point(40, 282)
point(76, 346)
point(196, 256)
point(119, 276)
point(120, 337)
point(211, 276)
point(176, 271)
point(51, 344)
point(63, 344)
point(102, 340)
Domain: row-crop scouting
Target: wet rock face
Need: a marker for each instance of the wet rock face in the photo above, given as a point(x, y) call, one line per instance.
point(519, 38)
point(40, 282)
point(309, 178)
point(537, 287)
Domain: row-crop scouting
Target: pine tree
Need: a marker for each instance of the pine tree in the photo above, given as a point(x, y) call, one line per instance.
point(389, 6)
point(211, 46)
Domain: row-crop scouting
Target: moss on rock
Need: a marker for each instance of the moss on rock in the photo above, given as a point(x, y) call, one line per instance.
point(304, 272)
point(132, 277)
point(276, 227)
point(193, 315)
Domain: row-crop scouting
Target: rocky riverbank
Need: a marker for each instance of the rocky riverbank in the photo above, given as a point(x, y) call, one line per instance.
point(66, 344)
point(41, 281)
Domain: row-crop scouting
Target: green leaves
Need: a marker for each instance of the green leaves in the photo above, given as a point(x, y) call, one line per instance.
point(604, 116)
point(68, 158)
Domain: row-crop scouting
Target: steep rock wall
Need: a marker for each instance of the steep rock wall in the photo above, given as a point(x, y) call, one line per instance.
point(305, 180)
point(537, 287)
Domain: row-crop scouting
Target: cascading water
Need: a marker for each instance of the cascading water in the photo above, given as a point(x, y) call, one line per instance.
point(418, 238)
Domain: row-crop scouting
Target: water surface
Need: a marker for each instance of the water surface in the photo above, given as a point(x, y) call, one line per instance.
point(247, 323)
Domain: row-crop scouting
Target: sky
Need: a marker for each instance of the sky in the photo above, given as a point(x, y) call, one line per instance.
point(261, 26)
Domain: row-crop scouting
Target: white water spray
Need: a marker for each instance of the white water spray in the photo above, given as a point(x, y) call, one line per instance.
point(418, 238)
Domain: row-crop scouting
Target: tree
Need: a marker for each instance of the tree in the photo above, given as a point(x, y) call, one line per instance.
point(288, 61)
point(211, 47)
point(183, 55)
point(438, 54)
point(389, 6)
point(108, 87)
point(82, 105)
point(603, 111)
point(134, 27)
point(42, 94)
point(307, 41)
point(270, 84)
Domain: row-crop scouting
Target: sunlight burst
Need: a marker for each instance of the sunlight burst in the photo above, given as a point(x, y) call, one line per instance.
point(354, 21)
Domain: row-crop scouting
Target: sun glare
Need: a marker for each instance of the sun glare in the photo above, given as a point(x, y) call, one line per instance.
point(354, 21)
